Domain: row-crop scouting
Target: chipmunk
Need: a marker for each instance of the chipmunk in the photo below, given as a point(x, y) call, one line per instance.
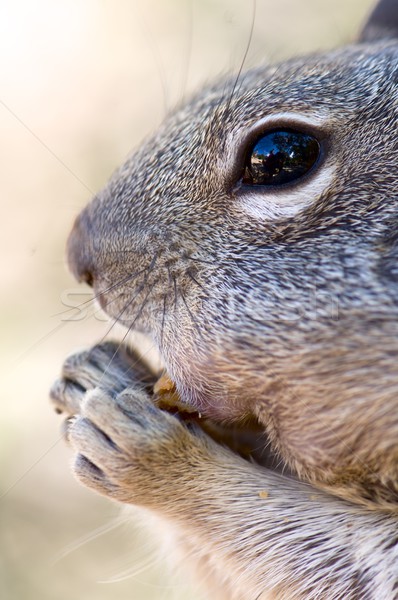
point(254, 238)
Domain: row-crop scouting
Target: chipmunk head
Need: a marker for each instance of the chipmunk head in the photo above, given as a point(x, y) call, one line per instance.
point(254, 238)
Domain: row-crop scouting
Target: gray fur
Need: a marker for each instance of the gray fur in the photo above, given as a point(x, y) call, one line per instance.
point(264, 305)
point(383, 22)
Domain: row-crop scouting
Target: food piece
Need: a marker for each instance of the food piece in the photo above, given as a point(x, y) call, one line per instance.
point(164, 385)
point(166, 398)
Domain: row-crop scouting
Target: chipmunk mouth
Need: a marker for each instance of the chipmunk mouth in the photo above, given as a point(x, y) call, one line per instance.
point(176, 391)
point(171, 341)
point(247, 439)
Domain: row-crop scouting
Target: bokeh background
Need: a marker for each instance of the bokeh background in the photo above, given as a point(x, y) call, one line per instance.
point(81, 83)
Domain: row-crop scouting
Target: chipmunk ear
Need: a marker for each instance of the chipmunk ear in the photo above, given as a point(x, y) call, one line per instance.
point(382, 22)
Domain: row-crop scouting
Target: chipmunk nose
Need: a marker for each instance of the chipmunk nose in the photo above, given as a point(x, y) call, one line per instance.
point(79, 257)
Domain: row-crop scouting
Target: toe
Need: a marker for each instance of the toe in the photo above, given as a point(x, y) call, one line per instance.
point(91, 476)
point(94, 444)
point(66, 396)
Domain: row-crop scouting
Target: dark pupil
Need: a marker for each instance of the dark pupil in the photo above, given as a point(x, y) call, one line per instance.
point(280, 157)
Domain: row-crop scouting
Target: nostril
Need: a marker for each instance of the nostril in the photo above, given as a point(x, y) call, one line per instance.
point(87, 277)
point(79, 257)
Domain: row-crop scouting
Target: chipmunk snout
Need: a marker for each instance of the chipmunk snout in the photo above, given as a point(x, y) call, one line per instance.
point(80, 259)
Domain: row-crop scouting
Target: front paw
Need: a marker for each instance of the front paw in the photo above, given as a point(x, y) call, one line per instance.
point(109, 365)
point(128, 449)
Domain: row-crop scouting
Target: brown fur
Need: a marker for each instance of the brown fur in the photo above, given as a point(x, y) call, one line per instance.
point(280, 306)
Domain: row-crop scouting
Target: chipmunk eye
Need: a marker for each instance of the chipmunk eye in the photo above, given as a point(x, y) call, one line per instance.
point(280, 156)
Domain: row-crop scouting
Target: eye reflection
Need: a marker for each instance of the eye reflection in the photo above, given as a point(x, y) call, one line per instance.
point(279, 157)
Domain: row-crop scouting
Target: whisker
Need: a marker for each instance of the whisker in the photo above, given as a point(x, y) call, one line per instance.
point(190, 314)
point(201, 260)
point(101, 293)
point(130, 326)
point(134, 570)
point(188, 52)
point(175, 292)
point(143, 304)
point(227, 108)
point(44, 145)
point(89, 537)
point(116, 351)
point(116, 319)
point(148, 270)
point(31, 467)
point(195, 280)
point(163, 320)
point(156, 55)
point(36, 344)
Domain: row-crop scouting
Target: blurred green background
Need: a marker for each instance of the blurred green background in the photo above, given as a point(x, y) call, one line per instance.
point(81, 84)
